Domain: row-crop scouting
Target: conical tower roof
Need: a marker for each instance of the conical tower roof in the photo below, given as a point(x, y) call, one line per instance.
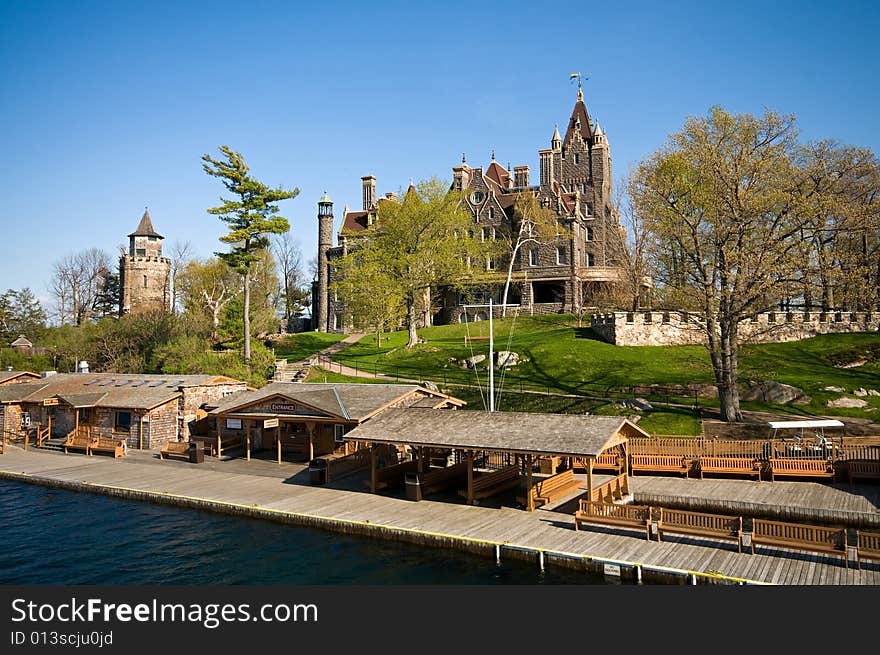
point(145, 227)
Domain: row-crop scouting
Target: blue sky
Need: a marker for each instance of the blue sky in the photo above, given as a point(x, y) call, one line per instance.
point(107, 107)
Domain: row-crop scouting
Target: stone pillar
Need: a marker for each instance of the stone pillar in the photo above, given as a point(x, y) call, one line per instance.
point(325, 241)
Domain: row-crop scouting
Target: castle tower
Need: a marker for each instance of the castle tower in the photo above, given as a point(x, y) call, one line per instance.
point(325, 242)
point(144, 274)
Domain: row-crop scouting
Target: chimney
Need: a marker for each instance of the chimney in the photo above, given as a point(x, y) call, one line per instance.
point(520, 176)
point(369, 182)
point(391, 196)
point(462, 177)
point(83, 367)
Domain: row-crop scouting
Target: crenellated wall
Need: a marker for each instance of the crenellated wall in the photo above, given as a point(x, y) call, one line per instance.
point(675, 328)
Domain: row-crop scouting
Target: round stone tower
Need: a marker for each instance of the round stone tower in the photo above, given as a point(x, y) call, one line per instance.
point(144, 274)
point(325, 242)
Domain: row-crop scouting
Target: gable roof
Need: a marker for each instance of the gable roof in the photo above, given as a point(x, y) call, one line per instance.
point(523, 432)
point(354, 402)
point(355, 221)
point(499, 175)
point(9, 376)
point(122, 390)
point(145, 227)
point(22, 341)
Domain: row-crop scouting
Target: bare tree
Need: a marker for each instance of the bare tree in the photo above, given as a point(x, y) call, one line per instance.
point(288, 255)
point(77, 281)
point(181, 254)
point(208, 287)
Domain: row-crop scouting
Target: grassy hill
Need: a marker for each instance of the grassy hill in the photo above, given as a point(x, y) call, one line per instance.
point(561, 357)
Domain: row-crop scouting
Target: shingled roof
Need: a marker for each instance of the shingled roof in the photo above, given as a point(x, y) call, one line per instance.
point(579, 121)
point(145, 228)
point(355, 402)
point(7, 376)
point(520, 432)
point(122, 390)
point(355, 221)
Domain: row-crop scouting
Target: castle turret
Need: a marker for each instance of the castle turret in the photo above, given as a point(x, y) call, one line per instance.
point(144, 274)
point(325, 242)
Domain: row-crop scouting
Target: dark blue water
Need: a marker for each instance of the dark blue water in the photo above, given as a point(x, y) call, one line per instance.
point(52, 536)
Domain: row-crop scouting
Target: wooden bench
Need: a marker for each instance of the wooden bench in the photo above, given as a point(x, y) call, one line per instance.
point(867, 546)
point(716, 526)
point(811, 538)
point(863, 469)
point(730, 464)
point(436, 480)
point(624, 516)
point(489, 484)
point(801, 467)
point(609, 462)
point(549, 489)
point(210, 443)
point(179, 448)
point(79, 442)
point(661, 464)
point(112, 445)
point(392, 476)
point(468, 339)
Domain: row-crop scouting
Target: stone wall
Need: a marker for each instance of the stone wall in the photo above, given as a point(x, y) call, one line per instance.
point(160, 426)
point(675, 328)
point(194, 398)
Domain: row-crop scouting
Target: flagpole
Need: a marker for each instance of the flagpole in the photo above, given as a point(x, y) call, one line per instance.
point(491, 362)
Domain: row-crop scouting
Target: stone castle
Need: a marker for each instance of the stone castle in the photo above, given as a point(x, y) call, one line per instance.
point(144, 274)
point(559, 276)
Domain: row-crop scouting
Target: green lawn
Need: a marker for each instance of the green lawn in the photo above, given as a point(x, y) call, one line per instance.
point(562, 357)
point(299, 346)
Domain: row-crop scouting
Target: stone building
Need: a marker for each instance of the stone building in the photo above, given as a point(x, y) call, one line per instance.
point(144, 274)
point(147, 410)
point(554, 276)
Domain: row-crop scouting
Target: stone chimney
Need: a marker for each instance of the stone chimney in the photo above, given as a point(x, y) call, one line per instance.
point(520, 176)
point(369, 182)
point(461, 177)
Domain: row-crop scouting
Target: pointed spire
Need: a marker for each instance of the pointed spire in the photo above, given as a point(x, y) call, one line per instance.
point(556, 140)
point(145, 227)
point(580, 93)
point(325, 200)
point(598, 129)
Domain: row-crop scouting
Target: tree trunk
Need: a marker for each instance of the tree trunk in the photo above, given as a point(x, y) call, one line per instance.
point(411, 320)
point(247, 316)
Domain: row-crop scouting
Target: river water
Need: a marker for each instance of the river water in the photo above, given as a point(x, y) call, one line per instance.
point(53, 536)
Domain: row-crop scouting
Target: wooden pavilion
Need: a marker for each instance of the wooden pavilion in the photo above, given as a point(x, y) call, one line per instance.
point(524, 437)
point(310, 419)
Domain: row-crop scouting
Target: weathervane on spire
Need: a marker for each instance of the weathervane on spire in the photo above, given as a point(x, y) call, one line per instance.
point(493, 154)
point(579, 77)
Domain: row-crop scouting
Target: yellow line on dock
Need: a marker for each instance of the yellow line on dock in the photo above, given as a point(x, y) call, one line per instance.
point(27, 477)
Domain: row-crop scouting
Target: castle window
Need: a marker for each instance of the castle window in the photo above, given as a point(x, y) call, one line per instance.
point(145, 281)
point(490, 264)
point(591, 259)
point(491, 213)
point(477, 196)
point(560, 255)
point(577, 158)
point(151, 238)
point(588, 234)
point(492, 233)
point(140, 252)
point(533, 257)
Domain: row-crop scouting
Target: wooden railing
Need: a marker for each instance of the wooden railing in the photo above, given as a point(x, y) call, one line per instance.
point(339, 467)
point(615, 489)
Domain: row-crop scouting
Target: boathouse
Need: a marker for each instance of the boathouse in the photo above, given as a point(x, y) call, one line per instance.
point(309, 420)
point(490, 452)
point(147, 411)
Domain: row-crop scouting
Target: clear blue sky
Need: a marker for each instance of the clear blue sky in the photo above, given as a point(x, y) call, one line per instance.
point(107, 107)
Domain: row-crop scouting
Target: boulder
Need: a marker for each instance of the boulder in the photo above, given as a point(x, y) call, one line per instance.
point(835, 389)
point(846, 401)
point(704, 390)
point(873, 392)
point(861, 393)
point(430, 386)
point(637, 404)
point(773, 392)
point(471, 362)
point(507, 358)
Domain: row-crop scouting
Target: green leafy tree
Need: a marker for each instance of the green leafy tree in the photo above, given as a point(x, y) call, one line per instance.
point(21, 314)
point(424, 241)
point(251, 216)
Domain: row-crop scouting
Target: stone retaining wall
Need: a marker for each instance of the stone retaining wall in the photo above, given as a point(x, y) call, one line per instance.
point(675, 328)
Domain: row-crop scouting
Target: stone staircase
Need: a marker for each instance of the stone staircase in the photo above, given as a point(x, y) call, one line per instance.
point(286, 371)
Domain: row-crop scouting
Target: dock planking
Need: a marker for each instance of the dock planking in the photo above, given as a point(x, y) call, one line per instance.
point(285, 490)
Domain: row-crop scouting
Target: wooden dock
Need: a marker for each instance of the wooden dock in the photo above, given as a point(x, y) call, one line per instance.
point(264, 489)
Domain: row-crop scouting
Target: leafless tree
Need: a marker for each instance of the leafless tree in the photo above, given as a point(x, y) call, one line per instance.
point(77, 281)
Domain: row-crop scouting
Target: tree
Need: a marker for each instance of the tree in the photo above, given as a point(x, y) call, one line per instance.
point(21, 314)
point(373, 298)
point(250, 217)
point(76, 284)
point(724, 193)
point(631, 244)
point(294, 291)
point(207, 287)
point(181, 255)
point(532, 224)
point(421, 242)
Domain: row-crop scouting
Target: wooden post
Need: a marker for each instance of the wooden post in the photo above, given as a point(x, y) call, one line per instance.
point(420, 460)
point(278, 440)
point(141, 432)
point(247, 438)
point(311, 441)
point(48, 432)
point(530, 503)
point(590, 478)
point(470, 477)
point(372, 468)
point(76, 421)
point(219, 442)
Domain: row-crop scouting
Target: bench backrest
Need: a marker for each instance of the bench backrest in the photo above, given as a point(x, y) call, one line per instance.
point(490, 479)
point(799, 535)
point(554, 482)
point(675, 518)
point(636, 513)
point(868, 541)
point(798, 464)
